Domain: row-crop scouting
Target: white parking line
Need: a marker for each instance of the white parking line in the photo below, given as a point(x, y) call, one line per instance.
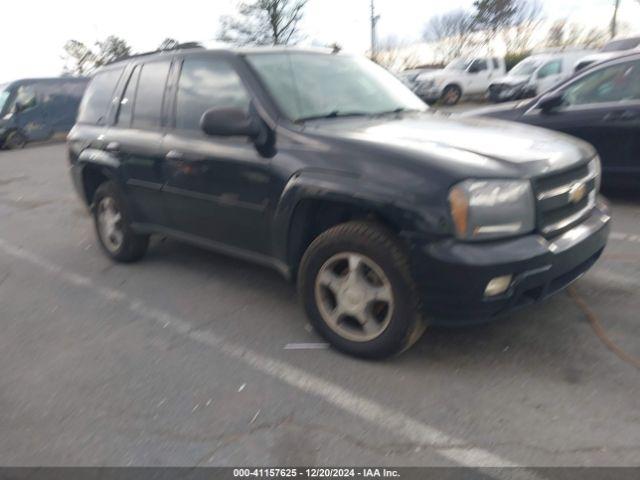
point(306, 346)
point(454, 449)
point(625, 237)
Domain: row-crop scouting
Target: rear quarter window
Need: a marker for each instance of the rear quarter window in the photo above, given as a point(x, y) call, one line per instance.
point(98, 97)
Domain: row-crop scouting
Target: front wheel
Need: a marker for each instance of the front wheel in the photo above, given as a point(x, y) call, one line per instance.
point(355, 284)
point(15, 141)
point(451, 95)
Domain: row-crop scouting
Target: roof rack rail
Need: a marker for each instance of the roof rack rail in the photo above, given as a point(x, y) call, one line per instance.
point(179, 46)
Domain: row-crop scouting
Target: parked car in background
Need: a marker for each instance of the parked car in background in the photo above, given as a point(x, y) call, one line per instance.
point(534, 75)
point(35, 109)
point(612, 49)
point(409, 77)
point(328, 169)
point(601, 105)
point(461, 77)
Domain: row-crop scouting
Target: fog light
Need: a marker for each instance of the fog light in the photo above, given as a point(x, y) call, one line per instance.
point(498, 286)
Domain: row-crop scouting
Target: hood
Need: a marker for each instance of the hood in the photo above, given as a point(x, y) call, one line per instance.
point(512, 80)
point(468, 142)
point(436, 74)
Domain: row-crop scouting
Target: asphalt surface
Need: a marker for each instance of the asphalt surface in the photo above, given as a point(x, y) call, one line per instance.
point(182, 359)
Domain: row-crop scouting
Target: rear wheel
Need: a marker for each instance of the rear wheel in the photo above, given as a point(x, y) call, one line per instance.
point(451, 95)
point(113, 225)
point(356, 288)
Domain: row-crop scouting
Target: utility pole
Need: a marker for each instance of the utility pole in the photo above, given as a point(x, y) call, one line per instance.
point(374, 21)
point(614, 20)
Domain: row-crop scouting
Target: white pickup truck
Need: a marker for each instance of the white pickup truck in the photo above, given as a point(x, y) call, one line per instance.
point(461, 77)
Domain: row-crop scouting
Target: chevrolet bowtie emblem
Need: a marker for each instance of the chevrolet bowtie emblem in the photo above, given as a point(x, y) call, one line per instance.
point(577, 192)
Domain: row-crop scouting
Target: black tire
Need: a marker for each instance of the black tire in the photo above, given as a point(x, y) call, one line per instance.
point(133, 246)
point(15, 141)
point(451, 95)
point(378, 244)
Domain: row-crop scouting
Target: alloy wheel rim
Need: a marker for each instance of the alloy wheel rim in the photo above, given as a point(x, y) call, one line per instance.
point(354, 296)
point(451, 96)
point(110, 224)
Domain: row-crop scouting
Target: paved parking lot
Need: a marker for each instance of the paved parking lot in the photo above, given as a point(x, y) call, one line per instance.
point(186, 359)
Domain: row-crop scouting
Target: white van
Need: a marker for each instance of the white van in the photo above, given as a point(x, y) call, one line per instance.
point(534, 75)
point(463, 76)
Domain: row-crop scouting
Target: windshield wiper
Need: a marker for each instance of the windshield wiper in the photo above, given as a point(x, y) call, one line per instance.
point(334, 114)
point(397, 110)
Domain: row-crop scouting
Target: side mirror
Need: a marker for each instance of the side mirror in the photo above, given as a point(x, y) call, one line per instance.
point(228, 122)
point(19, 107)
point(473, 69)
point(550, 102)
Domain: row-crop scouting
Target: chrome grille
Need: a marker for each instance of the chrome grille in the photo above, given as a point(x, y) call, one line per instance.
point(564, 199)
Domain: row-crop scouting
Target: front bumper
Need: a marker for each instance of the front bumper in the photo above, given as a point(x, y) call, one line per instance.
point(504, 92)
point(453, 275)
point(428, 92)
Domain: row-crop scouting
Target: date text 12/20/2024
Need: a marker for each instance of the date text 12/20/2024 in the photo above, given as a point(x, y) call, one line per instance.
point(315, 473)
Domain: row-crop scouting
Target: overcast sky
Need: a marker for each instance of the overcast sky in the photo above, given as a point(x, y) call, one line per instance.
point(33, 32)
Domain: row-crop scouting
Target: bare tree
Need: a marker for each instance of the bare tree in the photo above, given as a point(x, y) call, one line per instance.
point(80, 59)
point(493, 16)
point(395, 55)
point(452, 32)
point(563, 35)
point(527, 19)
point(111, 49)
point(263, 22)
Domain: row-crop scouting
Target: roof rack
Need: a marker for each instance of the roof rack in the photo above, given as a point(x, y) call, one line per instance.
point(179, 46)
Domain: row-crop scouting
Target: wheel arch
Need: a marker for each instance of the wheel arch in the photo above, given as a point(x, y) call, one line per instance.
point(313, 203)
point(96, 167)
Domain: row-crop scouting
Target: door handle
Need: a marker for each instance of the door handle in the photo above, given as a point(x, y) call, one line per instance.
point(112, 147)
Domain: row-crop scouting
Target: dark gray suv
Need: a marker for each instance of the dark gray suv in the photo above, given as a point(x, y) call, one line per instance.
point(328, 169)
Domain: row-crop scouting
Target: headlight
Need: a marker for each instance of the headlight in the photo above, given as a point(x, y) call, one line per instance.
point(486, 209)
point(426, 82)
point(595, 171)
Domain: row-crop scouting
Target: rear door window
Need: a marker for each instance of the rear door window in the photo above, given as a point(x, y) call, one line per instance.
point(147, 111)
point(98, 97)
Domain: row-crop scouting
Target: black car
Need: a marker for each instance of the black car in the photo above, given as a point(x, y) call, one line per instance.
point(600, 105)
point(38, 108)
point(328, 169)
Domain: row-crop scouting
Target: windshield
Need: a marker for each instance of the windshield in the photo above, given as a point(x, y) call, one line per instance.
point(4, 96)
point(620, 45)
point(458, 64)
point(526, 67)
point(315, 85)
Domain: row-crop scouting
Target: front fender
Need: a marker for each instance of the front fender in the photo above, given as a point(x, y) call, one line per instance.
point(402, 209)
